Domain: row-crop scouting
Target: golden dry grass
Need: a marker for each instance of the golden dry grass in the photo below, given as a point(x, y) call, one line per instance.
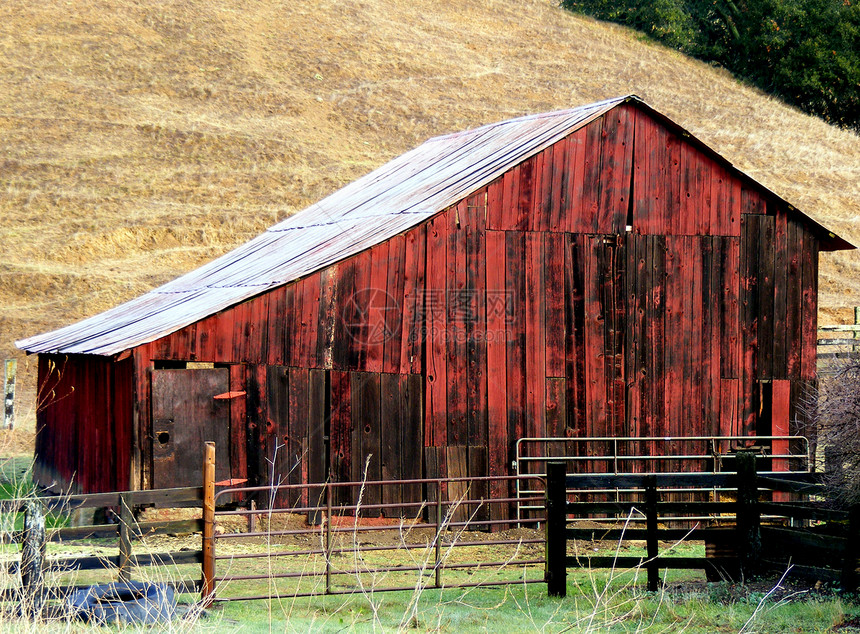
point(142, 138)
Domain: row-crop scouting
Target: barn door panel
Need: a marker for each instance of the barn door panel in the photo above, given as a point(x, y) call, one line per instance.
point(185, 415)
point(598, 269)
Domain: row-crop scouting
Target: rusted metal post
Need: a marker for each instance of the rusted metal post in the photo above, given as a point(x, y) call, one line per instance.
point(11, 368)
point(32, 560)
point(651, 543)
point(438, 566)
point(328, 538)
point(125, 520)
point(207, 591)
point(555, 499)
point(748, 518)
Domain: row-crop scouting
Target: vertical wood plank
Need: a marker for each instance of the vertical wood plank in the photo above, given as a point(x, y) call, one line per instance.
point(476, 322)
point(559, 206)
point(435, 311)
point(278, 414)
point(780, 295)
point(575, 217)
point(328, 317)
point(528, 171)
point(411, 435)
point(730, 328)
point(275, 323)
point(243, 445)
point(809, 299)
point(367, 436)
point(457, 311)
point(340, 437)
point(554, 322)
point(317, 447)
point(616, 165)
point(535, 341)
point(575, 316)
point(458, 492)
point(395, 304)
point(673, 351)
point(303, 427)
point(509, 213)
point(295, 298)
point(344, 353)
point(376, 307)
point(390, 446)
point(729, 411)
point(413, 324)
point(258, 311)
point(779, 426)
point(495, 204)
point(497, 335)
point(695, 413)
point(556, 408)
point(592, 181)
point(544, 207)
point(646, 158)
point(515, 378)
point(534, 215)
point(765, 275)
point(359, 307)
point(794, 305)
point(749, 317)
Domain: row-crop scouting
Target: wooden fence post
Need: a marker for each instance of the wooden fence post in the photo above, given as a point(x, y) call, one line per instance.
point(852, 550)
point(748, 522)
point(125, 520)
point(856, 348)
point(207, 590)
point(555, 500)
point(11, 367)
point(651, 543)
point(32, 559)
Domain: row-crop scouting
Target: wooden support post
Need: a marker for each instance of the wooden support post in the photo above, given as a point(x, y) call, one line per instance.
point(207, 591)
point(651, 542)
point(555, 499)
point(852, 551)
point(9, 393)
point(32, 560)
point(126, 518)
point(748, 518)
point(252, 517)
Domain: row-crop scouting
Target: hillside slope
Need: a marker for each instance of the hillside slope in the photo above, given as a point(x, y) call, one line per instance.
point(141, 139)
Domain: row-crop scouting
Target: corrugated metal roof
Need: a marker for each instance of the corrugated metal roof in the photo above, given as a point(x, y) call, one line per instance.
point(399, 195)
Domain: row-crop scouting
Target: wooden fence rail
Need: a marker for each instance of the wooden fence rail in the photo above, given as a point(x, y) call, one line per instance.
point(34, 536)
point(757, 538)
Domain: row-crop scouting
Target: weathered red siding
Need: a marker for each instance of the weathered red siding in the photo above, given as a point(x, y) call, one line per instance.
point(84, 418)
point(620, 282)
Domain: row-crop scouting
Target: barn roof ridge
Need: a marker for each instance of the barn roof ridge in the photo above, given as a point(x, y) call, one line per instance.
point(388, 201)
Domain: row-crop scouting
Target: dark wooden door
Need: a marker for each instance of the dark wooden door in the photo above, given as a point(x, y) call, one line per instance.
point(185, 415)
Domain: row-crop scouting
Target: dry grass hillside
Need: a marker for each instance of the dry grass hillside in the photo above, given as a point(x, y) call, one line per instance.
point(142, 138)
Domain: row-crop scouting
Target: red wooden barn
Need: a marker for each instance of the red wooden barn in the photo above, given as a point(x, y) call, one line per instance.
point(591, 272)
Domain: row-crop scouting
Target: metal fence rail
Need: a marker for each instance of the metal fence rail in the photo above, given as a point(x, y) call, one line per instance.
point(638, 455)
point(329, 542)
